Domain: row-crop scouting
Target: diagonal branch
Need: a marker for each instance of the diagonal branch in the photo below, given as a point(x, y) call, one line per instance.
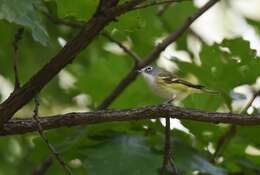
point(225, 139)
point(52, 149)
point(42, 169)
point(131, 76)
point(155, 3)
point(65, 56)
point(70, 23)
point(135, 57)
point(161, 9)
point(20, 126)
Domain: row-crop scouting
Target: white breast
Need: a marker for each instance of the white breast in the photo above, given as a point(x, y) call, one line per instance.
point(154, 86)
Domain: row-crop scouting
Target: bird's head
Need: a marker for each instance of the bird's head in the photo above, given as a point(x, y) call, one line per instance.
point(150, 70)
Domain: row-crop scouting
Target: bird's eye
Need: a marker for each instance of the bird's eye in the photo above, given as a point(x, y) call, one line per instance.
point(149, 69)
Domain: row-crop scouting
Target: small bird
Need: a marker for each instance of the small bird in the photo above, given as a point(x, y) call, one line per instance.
point(168, 85)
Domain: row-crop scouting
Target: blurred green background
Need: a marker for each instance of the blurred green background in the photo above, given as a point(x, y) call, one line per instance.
point(219, 51)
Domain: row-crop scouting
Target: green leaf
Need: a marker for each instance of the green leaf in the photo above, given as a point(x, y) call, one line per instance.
point(80, 9)
point(122, 155)
point(218, 67)
point(189, 160)
point(24, 12)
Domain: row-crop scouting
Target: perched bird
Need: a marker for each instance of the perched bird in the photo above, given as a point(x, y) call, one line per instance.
point(168, 85)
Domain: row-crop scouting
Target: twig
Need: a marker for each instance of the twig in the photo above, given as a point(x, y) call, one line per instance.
point(157, 3)
point(104, 5)
point(20, 126)
point(134, 55)
point(79, 25)
point(131, 76)
point(52, 149)
point(231, 132)
point(224, 140)
point(76, 24)
point(167, 158)
point(167, 27)
point(70, 23)
point(44, 166)
point(161, 9)
point(15, 43)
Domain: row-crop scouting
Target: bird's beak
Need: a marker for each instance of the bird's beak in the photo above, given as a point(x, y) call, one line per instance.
point(140, 70)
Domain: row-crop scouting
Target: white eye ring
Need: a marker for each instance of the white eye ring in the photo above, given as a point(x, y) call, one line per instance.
point(148, 69)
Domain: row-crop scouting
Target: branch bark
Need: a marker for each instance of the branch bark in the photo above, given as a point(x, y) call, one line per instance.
point(21, 126)
point(66, 55)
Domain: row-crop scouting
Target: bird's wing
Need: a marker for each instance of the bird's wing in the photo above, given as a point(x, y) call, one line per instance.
point(186, 83)
point(169, 78)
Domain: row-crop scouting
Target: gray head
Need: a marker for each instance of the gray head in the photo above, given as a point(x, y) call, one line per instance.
point(150, 70)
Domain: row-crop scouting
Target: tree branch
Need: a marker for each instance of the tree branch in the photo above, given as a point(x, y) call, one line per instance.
point(157, 3)
point(20, 126)
point(42, 169)
point(70, 23)
point(131, 76)
point(67, 54)
point(167, 157)
point(161, 9)
point(132, 54)
point(52, 149)
point(225, 139)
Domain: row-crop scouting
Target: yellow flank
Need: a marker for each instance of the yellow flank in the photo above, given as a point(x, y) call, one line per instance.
point(179, 89)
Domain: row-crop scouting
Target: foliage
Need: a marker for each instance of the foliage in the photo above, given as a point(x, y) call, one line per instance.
point(130, 147)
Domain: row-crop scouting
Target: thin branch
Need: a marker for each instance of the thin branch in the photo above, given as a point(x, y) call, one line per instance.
point(133, 55)
point(167, 158)
point(76, 24)
point(223, 141)
point(52, 149)
point(79, 25)
point(157, 3)
point(122, 85)
point(131, 76)
point(161, 9)
point(70, 23)
point(231, 132)
point(15, 43)
point(42, 169)
point(20, 126)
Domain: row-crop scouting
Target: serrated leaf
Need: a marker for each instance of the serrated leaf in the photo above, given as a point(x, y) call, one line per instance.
point(220, 70)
